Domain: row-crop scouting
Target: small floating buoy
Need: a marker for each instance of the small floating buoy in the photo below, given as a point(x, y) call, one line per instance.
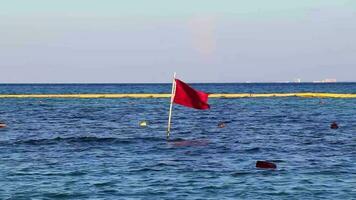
point(221, 124)
point(265, 165)
point(143, 123)
point(2, 125)
point(334, 125)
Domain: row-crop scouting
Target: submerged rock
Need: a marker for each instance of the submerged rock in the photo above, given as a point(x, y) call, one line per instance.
point(334, 125)
point(265, 165)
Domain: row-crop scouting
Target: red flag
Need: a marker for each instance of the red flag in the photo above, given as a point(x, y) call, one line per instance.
point(187, 96)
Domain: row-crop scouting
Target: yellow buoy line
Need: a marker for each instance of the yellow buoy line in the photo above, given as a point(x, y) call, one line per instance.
point(227, 95)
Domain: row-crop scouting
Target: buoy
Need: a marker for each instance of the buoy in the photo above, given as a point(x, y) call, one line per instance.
point(334, 125)
point(2, 125)
point(143, 123)
point(265, 165)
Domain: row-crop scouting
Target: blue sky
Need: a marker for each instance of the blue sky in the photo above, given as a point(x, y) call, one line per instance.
point(202, 40)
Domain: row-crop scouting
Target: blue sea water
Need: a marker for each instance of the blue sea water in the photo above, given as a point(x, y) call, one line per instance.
point(95, 149)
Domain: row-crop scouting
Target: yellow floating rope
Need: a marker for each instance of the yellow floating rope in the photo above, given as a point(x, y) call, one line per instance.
point(239, 95)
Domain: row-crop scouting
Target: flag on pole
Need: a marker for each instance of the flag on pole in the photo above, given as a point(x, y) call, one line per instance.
point(183, 94)
point(189, 97)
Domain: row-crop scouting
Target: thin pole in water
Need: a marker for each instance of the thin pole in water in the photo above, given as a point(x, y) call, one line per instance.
point(171, 106)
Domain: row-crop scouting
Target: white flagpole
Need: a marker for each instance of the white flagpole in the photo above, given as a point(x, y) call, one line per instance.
point(171, 106)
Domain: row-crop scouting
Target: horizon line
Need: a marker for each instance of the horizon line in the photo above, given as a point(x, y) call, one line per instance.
point(103, 83)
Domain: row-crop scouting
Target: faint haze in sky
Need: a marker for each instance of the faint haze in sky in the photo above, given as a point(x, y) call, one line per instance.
point(202, 40)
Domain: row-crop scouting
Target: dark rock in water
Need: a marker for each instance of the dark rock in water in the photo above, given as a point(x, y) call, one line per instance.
point(334, 125)
point(265, 165)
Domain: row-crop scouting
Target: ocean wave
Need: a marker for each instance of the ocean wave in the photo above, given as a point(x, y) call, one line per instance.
point(82, 139)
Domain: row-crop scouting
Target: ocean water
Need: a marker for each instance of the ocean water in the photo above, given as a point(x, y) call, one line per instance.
point(95, 149)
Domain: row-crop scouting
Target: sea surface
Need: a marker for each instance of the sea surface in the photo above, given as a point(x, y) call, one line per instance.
point(95, 148)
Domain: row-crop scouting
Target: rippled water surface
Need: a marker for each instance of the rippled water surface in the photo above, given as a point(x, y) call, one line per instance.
point(95, 149)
